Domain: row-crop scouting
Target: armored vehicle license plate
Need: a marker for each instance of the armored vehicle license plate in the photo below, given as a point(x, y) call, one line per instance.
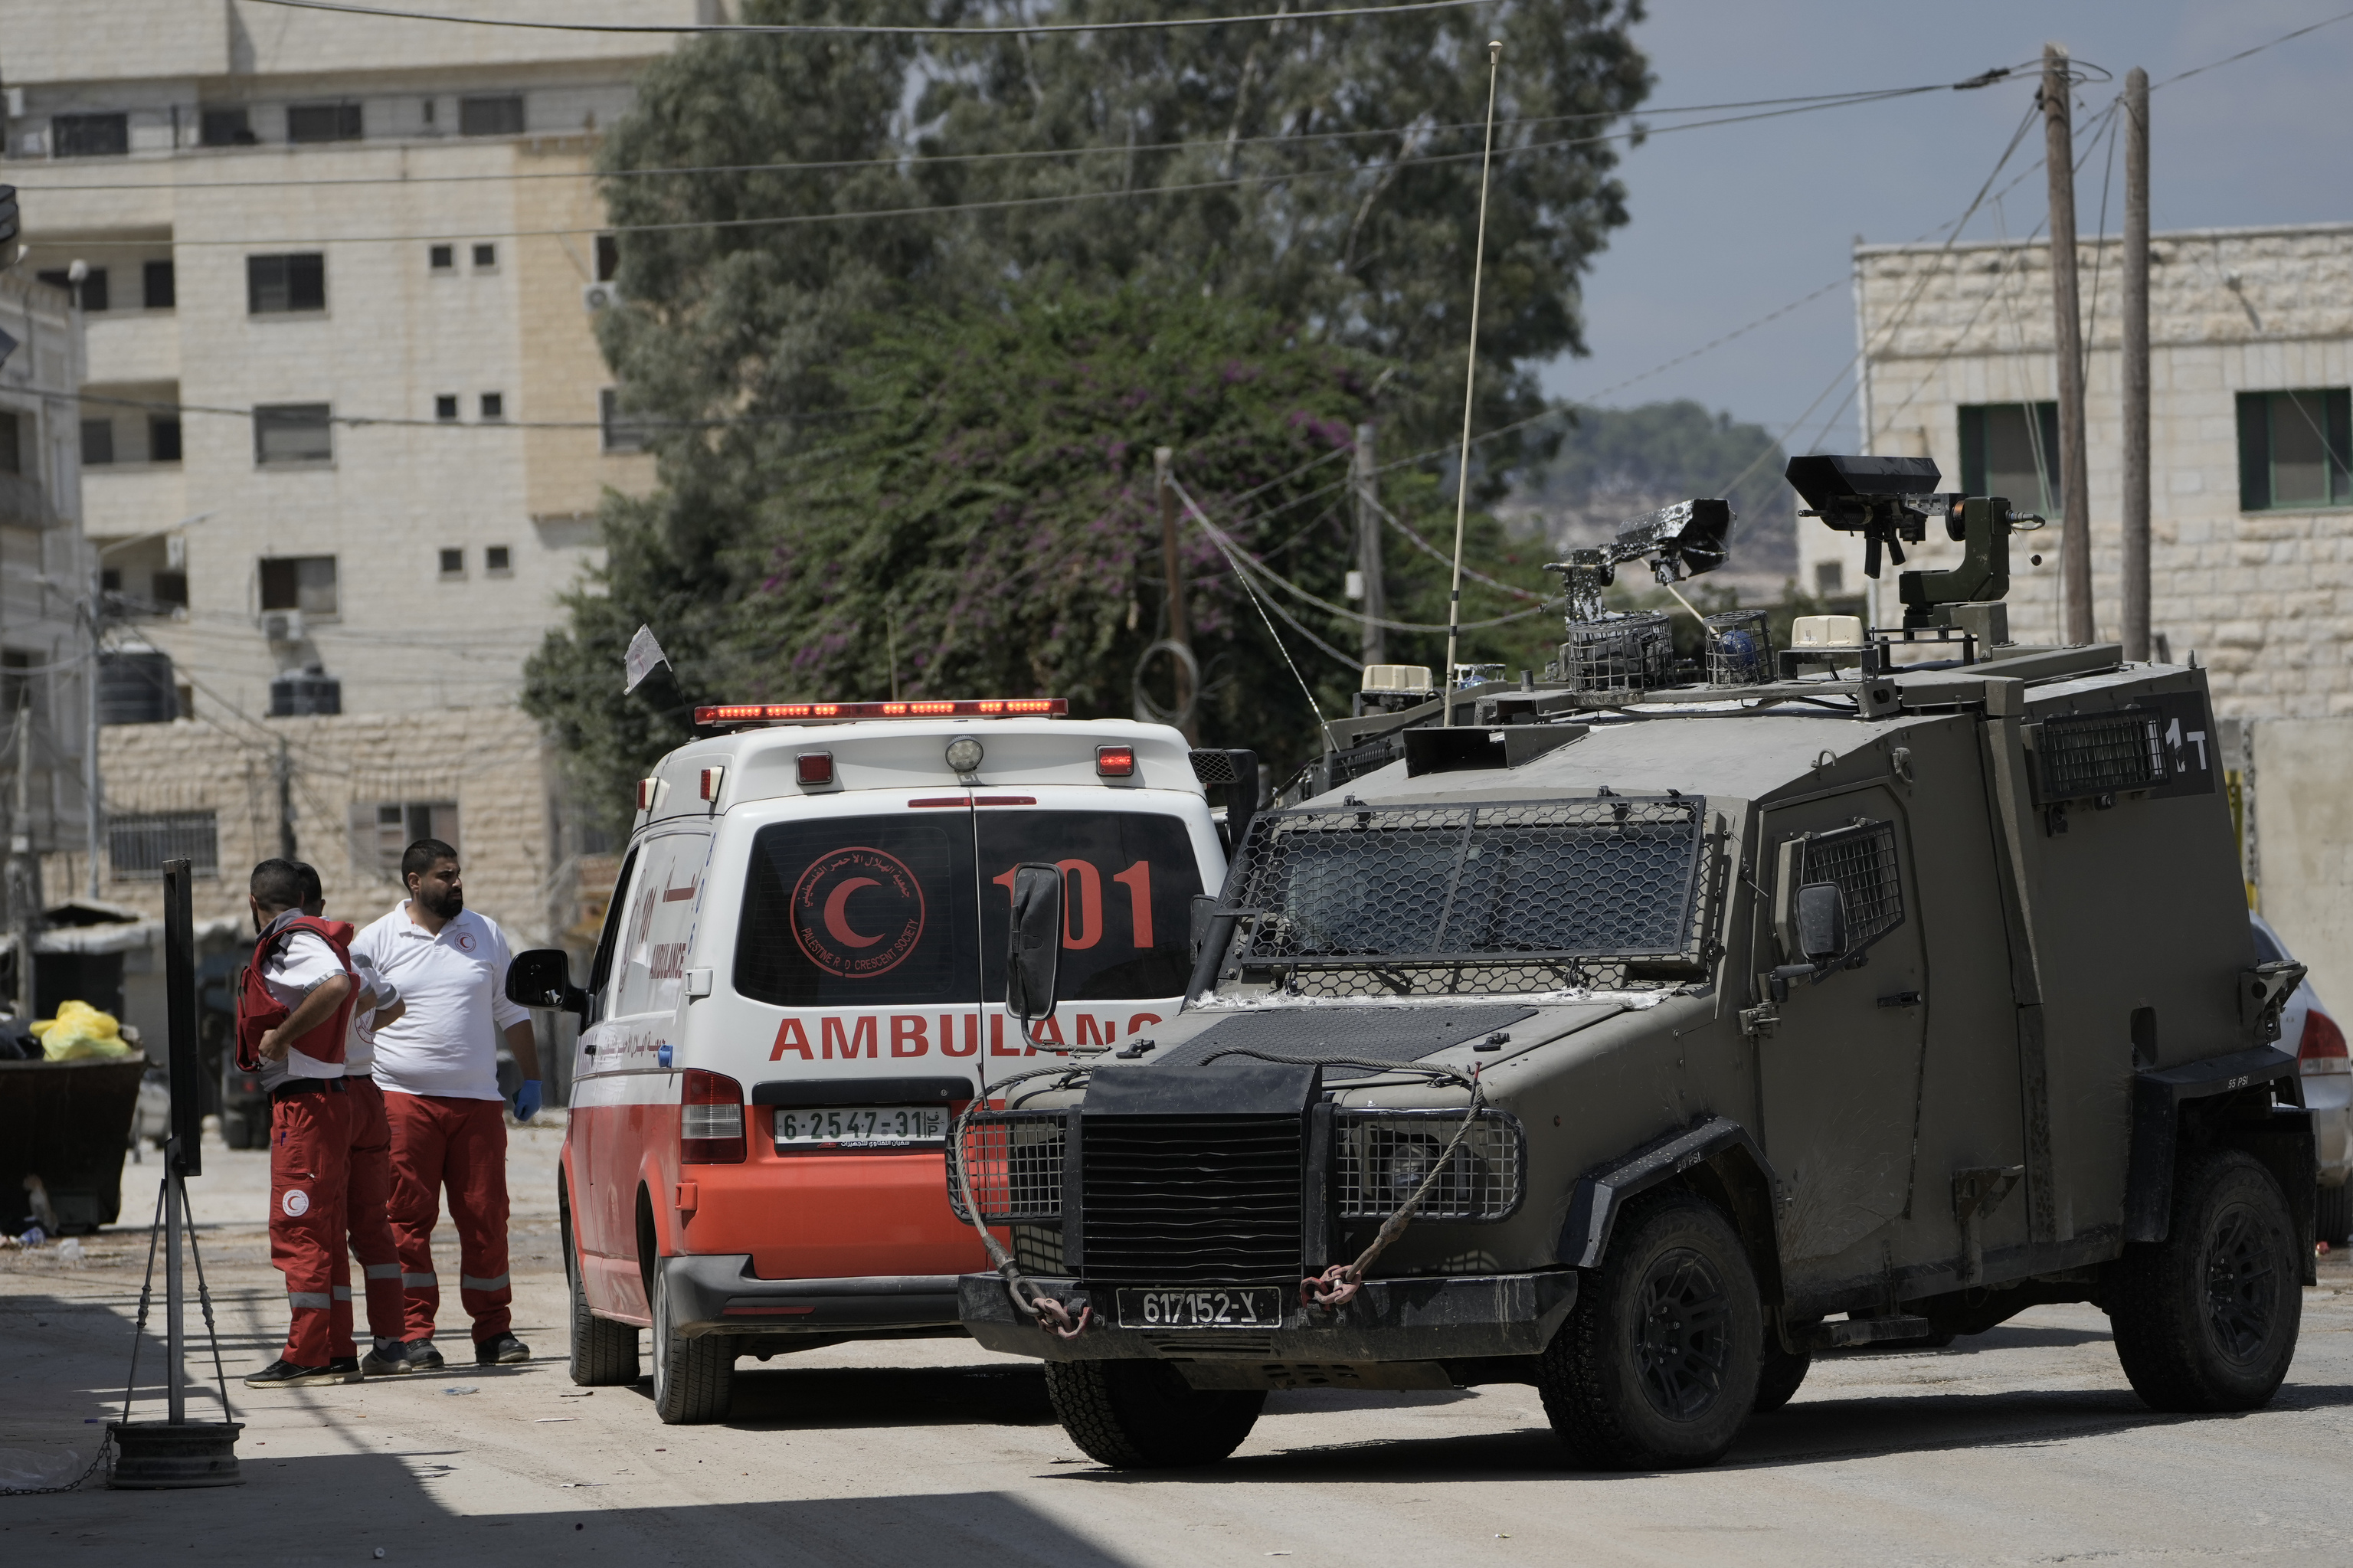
point(860, 1124)
point(1217, 1306)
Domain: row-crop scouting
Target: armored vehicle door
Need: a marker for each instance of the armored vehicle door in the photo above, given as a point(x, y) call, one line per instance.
point(1839, 1074)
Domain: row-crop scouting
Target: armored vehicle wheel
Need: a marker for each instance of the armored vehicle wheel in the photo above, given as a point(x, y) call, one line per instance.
point(1658, 1364)
point(1144, 1415)
point(2206, 1319)
point(604, 1353)
point(1779, 1374)
point(2332, 1214)
point(693, 1379)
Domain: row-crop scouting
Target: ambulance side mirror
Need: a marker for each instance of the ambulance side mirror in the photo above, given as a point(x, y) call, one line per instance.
point(542, 977)
point(1033, 958)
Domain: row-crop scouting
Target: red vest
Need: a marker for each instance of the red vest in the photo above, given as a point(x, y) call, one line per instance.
point(257, 1012)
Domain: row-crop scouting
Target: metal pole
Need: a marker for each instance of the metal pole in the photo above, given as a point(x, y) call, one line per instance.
point(1470, 386)
point(92, 808)
point(2075, 504)
point(23, 879)
point(1179, 631)
point(1374, 645)
point(2136, 366)
point(182, 1153)
point(285, 770)
point(175, 1375)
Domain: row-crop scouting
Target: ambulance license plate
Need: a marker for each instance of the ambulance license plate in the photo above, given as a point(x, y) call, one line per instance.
point(860, 1126)
point(1220, 1306)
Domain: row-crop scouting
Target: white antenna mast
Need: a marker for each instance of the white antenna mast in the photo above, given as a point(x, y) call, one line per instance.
point(1469, 384)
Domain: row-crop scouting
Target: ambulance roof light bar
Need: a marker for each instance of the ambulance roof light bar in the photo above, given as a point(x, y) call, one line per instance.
point(725, 716)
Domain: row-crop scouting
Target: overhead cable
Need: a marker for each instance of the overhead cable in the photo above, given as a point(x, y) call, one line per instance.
point(875, 30)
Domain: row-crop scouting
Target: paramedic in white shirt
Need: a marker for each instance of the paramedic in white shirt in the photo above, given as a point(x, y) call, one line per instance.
point(438, 1068)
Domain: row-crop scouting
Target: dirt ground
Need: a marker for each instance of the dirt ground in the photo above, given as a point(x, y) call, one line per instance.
point(2023, 1445)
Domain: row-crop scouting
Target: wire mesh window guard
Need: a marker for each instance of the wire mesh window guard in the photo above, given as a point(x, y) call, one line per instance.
point(1380, 1159)
point(1860, 859)
point(1013, 1160)
point(1482, 897)
point(2101, 754)
point(138, 842)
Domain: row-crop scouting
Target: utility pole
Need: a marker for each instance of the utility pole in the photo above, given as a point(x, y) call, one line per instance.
point(2136, 366)
point(2076, 502)
point(1375, 647)
point(23, 865)
point(285, 772)
point(1179, 631)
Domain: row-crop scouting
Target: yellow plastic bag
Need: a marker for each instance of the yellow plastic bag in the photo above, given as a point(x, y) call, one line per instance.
point(80, 1032)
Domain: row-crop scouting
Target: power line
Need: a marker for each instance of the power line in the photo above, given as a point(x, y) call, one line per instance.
point(876, 29)
point(2259, 48)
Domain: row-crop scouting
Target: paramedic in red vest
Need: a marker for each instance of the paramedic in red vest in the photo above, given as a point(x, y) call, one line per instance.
point(438, 1069)
point(293, 1012)
point(367, 1191)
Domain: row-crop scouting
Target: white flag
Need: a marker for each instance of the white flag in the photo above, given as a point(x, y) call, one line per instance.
point(644, 654)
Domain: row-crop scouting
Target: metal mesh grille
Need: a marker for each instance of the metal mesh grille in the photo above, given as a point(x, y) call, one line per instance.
point(1379, 1159)
point(1629, 652)
point(1483, 897)
point(1861, 859)
point(2099, 754)
point(1215, 767)
point(1739, 648)
point(1014, 1162)
point(1193, 1200)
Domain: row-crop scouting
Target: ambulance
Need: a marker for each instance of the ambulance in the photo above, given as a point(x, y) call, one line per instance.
point(801, 980)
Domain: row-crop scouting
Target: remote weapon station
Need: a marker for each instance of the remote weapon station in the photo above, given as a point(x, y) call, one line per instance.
point(1645, 1032)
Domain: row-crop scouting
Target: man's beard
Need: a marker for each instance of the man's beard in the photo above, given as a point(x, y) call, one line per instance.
point(444, 904)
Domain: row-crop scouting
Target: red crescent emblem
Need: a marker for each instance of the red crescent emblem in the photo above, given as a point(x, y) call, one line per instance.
point(889, 905)
point(837, 918)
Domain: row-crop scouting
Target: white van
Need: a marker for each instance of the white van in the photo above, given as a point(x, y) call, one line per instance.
point(802, 978)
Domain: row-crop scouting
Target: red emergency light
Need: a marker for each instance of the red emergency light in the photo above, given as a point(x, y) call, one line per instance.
point(721, 715)
point(1115, 761)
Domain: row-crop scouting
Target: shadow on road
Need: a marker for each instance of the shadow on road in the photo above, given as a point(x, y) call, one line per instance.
point(802, 1399)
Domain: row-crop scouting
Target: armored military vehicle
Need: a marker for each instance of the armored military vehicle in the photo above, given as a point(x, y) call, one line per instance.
point(1639, 1042)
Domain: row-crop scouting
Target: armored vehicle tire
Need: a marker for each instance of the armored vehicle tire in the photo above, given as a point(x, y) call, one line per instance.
point(1779, 1374)
point(1144, 1415)
point(604, 1353)
point(1658, 1363)
point(2332, 1214)
point(2206, 1319)
point(693, 1379)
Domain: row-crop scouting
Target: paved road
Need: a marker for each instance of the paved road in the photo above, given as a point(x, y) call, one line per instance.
point(2028, 1448)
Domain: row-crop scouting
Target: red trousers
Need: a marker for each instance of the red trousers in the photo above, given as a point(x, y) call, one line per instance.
point(457, 1147)
point(367, 1206)
point(310, 1147)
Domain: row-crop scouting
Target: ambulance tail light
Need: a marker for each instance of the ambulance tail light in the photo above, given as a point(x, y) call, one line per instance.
point(728, 716)
point(1115, 761)
point(2321, 1053)
point(710, 1119)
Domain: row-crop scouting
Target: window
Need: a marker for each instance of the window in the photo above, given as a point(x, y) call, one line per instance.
point(138, 842)
point(2295, 450)
point(2012, 450)
point(278, 284)
point(621, 432)
point(90, 135)
point(486, 256)
point(453, 563)
point(442, 257)
point(608, 257)
point(292, 433)
point(381, 830)
point(163, 439)
point(501, 116)
point(306, 583)
point(322, 123)
point(90, 294)
point(97, 443)
point(428, 110)
point(12, 459)
point(446, 406)
point(159, 286)
point(109, 580)
point(494, 406)
point(1830, 578)
point(227, 128)
point(17, 688)
point(171, 589)
point(498, 560)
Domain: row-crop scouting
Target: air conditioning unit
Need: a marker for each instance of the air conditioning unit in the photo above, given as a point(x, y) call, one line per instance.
point(597, 296)
point(282, 625)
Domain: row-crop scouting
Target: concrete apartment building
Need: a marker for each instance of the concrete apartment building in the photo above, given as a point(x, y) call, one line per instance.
point(344, 428)
point(2250, 334)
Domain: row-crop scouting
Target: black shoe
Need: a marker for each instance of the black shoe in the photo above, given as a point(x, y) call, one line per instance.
point(283, 1373)
point(382, 1363)
point(506, 1350)
point(405, 1357)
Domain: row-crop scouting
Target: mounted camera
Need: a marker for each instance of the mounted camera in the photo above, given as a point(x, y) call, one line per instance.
point(1680, 541)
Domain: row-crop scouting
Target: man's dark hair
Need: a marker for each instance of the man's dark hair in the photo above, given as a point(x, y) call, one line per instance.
point(276, 883)
point(312, 892)
point(423, 856)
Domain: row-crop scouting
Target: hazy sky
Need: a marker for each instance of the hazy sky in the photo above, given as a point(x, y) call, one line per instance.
point(1729, 224)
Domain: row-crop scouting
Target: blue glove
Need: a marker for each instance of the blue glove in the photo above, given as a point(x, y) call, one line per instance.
point(526, 1100)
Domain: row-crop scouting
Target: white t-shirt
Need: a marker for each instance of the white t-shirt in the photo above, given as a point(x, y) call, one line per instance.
point(295, 967)
point(359, 1045)
point(455, 984)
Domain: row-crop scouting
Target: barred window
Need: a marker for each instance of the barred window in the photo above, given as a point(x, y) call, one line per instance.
point(138, 842)
point(1859, 860)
